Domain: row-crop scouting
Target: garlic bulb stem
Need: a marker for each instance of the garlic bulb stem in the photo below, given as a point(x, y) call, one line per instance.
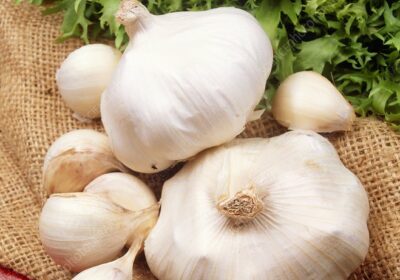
point(244, 205)
point(133, 15)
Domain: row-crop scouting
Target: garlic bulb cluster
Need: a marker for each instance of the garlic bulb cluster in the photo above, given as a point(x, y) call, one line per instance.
point(308, 100)
point(279, 208)
point(75, 159)
point(81, 230)
point(120, 269)
point(187, 81)
point(84, 75)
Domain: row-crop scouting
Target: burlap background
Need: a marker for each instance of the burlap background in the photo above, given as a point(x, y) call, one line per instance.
point(32, 115)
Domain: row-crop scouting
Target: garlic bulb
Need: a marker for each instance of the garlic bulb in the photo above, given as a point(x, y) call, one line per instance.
point(278, 208)
point(307, 100)
point(75, 159)
point(130, 193)
point(84, 75)
point(187, 81)
point(120, 269)
point(81, 230)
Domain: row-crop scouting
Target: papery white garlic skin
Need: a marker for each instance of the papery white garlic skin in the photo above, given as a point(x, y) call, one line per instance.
point(120, 269)
point(84, 75)
point(75, 159)
point(278, 208)
point(308, 100)
point(81, 230)
point(130, 193)
point(187, 81)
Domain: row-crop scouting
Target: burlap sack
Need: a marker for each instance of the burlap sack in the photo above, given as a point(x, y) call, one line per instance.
point(32, 115)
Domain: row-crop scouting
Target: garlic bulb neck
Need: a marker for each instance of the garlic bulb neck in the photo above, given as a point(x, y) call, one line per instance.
point(133, 15)
point(244, 205)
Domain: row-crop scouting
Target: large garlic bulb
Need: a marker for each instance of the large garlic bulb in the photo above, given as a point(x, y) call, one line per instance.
point(279, 208)
point(187, 81)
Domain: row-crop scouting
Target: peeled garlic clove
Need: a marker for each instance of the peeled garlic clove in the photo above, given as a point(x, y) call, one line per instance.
point(278, 208)
point(211, 69)
point(130, 193)
point(75, 159)
point(307, 100)
point(83, 77)
point(120, 269)
point(81, 230)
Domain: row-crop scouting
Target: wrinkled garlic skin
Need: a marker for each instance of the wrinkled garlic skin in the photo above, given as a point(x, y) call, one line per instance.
point(81, 230)
point(130, 193)
point(84, 75)
point(308, 100)
point(278, 208)
point(187, 81)
point(75, 159)
point(120, 269)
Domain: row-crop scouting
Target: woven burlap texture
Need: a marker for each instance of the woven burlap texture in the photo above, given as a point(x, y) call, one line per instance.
point(32, 115)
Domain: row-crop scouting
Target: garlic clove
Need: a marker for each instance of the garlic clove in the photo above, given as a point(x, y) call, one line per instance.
point(75, 159)
point(130, 193)
point(83, 77)
point(278, 208)
point(81, 230)
point(307, 100)
point(211, 68)
point(120, 269)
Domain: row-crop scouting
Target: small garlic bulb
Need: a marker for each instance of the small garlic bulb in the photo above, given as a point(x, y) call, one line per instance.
point(120, 269)
point(187, 81)
point(308, 100)
point(84, 75)
point(278, 208)
point(81, 230)
point(75, 159)
point(130, 193)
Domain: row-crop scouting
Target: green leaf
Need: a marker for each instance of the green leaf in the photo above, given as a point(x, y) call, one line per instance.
point(317, 53)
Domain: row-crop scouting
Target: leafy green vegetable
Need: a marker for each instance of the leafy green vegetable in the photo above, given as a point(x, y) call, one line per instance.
point(354, 43)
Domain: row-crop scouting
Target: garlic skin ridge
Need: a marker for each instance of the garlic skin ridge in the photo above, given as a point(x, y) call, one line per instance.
point(84, 75)
point(211, 69)
point(75, 159)
point(308, 100)
point(278, 208)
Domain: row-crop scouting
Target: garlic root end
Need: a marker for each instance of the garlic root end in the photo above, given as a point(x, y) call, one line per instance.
point(244, 205)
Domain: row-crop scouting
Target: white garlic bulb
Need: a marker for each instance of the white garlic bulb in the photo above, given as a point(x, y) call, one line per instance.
point(75, 159)
point(187, 81)
point(278, 208)
point(128, 192)
point(308, 100)
point(81, 230)
point(84, 75)
point(120, 269)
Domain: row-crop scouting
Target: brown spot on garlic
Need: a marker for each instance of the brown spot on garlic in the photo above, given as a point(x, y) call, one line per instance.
point(312, 164)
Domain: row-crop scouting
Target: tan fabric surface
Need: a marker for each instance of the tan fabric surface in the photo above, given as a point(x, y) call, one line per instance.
point(32, 115)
